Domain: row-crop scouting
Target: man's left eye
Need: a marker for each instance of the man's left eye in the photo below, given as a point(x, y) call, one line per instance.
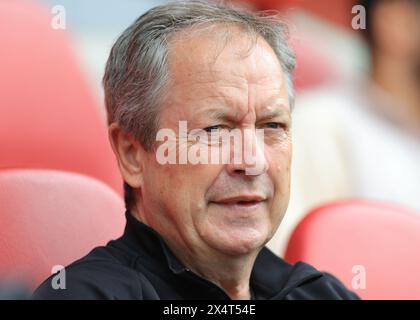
point(273, 125)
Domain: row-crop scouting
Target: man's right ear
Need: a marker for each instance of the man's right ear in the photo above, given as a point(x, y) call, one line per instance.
point(129, 153)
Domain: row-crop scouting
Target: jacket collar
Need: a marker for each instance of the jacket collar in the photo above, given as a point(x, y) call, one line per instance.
point(271, 276)
point(145, 239)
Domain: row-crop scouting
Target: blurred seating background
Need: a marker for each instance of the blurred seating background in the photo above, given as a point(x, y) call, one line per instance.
point(371, 246)
point(49, 117)
point(55, 154)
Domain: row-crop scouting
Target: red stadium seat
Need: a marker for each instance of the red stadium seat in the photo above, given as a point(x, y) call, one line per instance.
point(50, 218)
point(363, 238)
point(49, 119)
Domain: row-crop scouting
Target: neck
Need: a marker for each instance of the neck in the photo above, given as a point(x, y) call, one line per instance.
point(231, 273)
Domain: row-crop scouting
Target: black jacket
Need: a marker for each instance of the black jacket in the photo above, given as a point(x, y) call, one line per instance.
point(139, 265)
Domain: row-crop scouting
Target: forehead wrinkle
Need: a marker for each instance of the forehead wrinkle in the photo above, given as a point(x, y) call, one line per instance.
point(276, 100)
point(215, 96)
point(274, 106)
point(217, 78)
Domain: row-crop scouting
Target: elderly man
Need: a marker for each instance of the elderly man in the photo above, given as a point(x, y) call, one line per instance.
point(197, 229)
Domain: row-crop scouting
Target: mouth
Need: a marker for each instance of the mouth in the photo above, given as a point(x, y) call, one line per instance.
point(243, 201)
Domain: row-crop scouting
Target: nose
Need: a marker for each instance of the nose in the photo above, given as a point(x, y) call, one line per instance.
point(247, 155)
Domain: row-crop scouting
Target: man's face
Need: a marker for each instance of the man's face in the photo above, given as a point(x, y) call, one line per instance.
point(220, 206)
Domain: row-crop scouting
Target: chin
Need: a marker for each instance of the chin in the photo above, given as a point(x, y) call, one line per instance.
point(238, 242)
point(235, 235)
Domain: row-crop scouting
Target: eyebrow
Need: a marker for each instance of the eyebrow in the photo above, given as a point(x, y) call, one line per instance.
point(276, 113)
point(219, 114)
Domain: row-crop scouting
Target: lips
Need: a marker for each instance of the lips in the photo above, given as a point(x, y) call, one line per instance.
point(242, 200)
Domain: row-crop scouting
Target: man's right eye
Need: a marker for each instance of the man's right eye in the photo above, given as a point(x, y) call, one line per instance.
point(213, 128)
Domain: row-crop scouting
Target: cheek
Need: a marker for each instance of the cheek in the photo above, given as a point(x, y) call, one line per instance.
point(279, 159)
point(280, 174)
point(182, 186)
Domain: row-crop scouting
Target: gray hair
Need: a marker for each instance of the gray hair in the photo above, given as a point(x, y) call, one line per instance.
point(136, 73)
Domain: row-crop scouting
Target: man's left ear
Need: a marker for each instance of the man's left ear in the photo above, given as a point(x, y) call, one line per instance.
point(129, 153)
